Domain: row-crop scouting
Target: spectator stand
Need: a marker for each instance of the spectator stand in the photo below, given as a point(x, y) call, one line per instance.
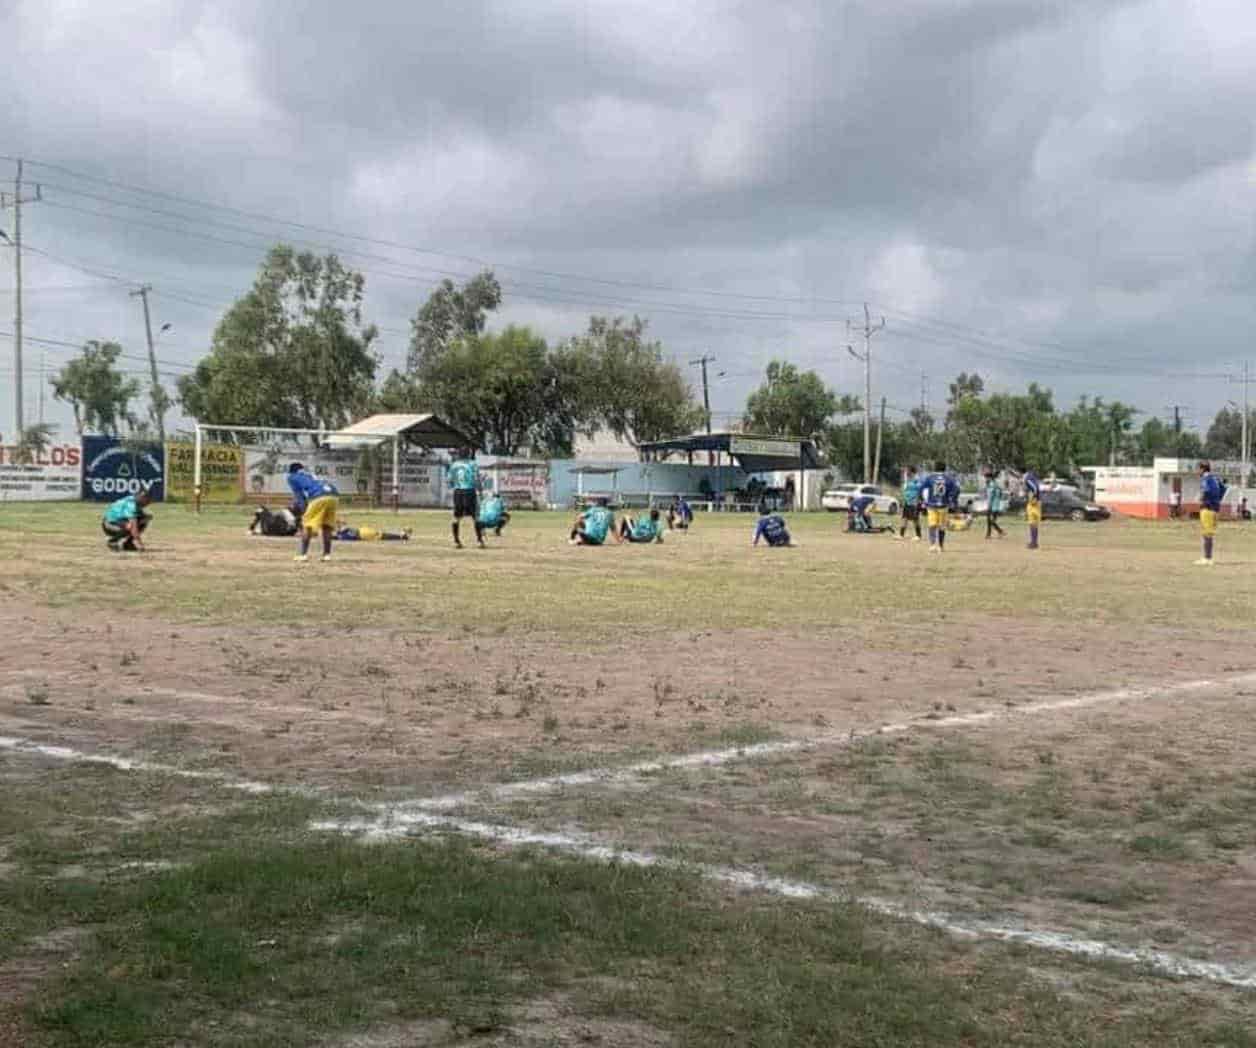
point(583, 497)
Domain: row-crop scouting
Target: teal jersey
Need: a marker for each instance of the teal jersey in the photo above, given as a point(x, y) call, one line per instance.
point(911, 492)
point(994, 497)
point(492, 509)
point(121, 511)
point(463, 475)
point(646, 530)
point(597, 522)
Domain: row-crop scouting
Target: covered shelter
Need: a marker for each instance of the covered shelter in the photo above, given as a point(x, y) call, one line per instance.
point(581, 472)
point(751, 452)
point(421, 431)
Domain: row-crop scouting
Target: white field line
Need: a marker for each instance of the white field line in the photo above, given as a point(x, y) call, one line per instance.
point(404, 824)
point(400, 824)
point(627, 774)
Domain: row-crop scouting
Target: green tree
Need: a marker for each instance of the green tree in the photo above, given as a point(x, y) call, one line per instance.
point(793, 403)
point(97, 392)
point(449, 314)
point(1100, 431)
point(1224, 439)
point(293, 351)
point(965, 387)
point(1157, 439)
point(636, 392)
point(34, 440)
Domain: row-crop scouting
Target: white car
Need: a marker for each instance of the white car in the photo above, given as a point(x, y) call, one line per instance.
point(837, 500)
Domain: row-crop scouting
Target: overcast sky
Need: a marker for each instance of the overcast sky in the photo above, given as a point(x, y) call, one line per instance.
point(1039, 190)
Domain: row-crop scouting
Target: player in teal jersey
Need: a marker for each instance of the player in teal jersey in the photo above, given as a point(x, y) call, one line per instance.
point(463, 475)
point(492, 515)
point(642, 529)
point(593, 525)
point(911, 504)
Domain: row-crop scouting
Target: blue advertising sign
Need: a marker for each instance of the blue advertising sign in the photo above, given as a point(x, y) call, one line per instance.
point(111, 470)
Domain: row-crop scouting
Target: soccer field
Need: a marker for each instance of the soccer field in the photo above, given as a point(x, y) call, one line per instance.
point(686, 794)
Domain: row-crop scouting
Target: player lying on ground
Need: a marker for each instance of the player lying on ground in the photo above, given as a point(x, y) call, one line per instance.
point(345, 533)
point(593, 525)
point(492, 514)
point(642, 529)
point(316, 500)
point(281, 523)
point(124, 522)
point(463, 475)
point(1211, 492)
point(679, 514)
point(771, 528)
point(859, 519)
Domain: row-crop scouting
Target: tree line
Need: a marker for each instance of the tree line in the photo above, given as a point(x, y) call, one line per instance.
point(296, 351)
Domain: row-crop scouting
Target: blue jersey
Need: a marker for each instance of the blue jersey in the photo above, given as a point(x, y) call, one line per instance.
point(772, 529)
point(861, 504)
point(1211, 492)
point(684, 511)
point(306, 488)
point(122, 510)
point(597, 522)
point(1033, 486)
point(492, 509)
point(463, 475)
point(940, 491)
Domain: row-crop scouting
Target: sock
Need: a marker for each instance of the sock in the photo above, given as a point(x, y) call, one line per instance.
point(454, 527)
point(305, 541)
point(327, 542)
point(933, 536)
point(1033, 534)
point(479, 532)
point(941, 538)
point(1207, 547)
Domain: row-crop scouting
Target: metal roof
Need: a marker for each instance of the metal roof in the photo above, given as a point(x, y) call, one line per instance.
point(424, 430)
point(755, 453)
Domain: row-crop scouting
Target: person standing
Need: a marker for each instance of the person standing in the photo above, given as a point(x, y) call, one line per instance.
point(316, 499)
point(1211, 492)
point(463, 475)
point(994, 505)
point(941, 495)
point(1033, 507)
point(911, 504)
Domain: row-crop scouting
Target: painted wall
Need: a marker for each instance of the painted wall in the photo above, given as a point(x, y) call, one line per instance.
point(657, 478)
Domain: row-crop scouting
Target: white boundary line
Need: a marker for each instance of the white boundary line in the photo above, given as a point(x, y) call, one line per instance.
point(627, 774)
point(400, 824)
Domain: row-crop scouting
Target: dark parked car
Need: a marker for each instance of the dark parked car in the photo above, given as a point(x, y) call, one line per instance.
point(1065, 505)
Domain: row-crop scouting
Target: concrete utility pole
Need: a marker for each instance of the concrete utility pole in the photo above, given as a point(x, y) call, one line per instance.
point(16, 200)
point(876, 468)
point(702, 362)
point(157, 395)
point(868, 331)
point(1244, 455)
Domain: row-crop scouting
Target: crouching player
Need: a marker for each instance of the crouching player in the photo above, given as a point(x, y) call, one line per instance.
point(1211, 492)
point(124, 522)
point(593, 525)
point(316, 500)
point(941, 495)
point(679, 514)
point(492, 515)
point(771, 528)
point(642, 529)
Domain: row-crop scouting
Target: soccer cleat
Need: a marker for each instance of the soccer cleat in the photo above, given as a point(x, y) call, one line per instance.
point(934, 548)
point(326, 557)
point(1204, 562)
point(302, 558)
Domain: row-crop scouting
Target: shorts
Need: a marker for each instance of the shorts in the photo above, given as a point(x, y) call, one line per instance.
point(466, 504)
point(320, 513)
point(911, 512)
point(1208, 522)
point(585, 539)
point(939, 518)
point(1033, 511)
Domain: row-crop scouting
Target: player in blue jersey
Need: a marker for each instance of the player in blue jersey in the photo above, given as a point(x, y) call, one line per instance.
point(316, 500)
point(910, 508)
point(771, 528)
point(1211, 491)
point(463, 476)
point(1033, 507)
point(680, 515)
point(941, 495)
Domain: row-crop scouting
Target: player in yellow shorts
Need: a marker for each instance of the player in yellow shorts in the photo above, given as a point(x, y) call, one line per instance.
point(1211, 492)
point(317, 500)
point(1033, 507)
point(940, 492)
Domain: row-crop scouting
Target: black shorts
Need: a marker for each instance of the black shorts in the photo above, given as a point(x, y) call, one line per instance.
point(465, 503)
point(911, 512)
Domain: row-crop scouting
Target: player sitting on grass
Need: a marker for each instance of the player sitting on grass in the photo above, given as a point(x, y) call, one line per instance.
point(771, 528)
point(941, 495)
point(278, 523)
point(1211, 492)
point(125, 520)
point(463, 475)
point(492, 514)
point(593, 525)
point(642, 529)
point(316, 500)
point(345, 533)
point(679, 514)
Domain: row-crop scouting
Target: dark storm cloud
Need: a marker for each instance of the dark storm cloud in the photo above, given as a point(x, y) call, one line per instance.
point(1047, 173)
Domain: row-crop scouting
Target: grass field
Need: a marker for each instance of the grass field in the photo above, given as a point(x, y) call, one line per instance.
point(688, 794)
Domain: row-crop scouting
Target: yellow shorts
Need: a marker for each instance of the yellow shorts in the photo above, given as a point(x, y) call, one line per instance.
point(320, 513)
point(939, 518)
point(368, 534)
point(1208, 522)
point(1033, 511)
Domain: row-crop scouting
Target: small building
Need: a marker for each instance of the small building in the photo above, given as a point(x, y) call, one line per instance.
point(1153, 492)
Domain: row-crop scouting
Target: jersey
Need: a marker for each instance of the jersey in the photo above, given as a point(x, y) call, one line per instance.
point(463, 475)
point(860, 505)
point(492, 509)
point(122, 510)
point(645, 530)
point(771, 528)
point(994, 497)
point(597, 523)
point(1033, 486)
point(911, 492)
point(940, 491)
point(684, 511)
point(1211, 492)
point(306, 488)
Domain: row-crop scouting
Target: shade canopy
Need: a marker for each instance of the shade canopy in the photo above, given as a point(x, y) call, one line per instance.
point(754, 454)
point(425, 431)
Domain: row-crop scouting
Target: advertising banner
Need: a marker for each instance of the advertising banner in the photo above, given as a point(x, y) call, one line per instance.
point(112, 470)
point(521, 482)
point(767, 448)
point(40, 476)
point(266, 470)
point(222, 472)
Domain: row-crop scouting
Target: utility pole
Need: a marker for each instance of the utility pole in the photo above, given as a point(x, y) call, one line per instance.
point(924, 393)
point(876, 469)
point(1246, 379)
point(42, 382)
point(702, 362)
point(16, 200)
point(157, 395)
point(868, 331)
